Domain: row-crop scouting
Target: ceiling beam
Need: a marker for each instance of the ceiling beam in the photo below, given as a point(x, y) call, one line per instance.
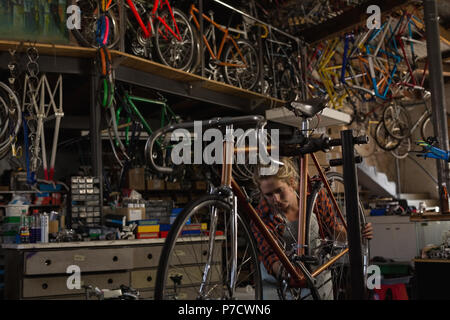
point(348, 21)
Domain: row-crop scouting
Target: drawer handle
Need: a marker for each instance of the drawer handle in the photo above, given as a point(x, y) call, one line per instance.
point(110, 281)
point(204, 252)
point(149, 278)
point(397, 228)
point(115, 258)
point(149, 256)
point(44, 286)
point(48, 262)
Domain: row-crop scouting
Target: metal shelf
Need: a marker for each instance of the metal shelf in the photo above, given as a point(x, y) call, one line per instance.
point(427, 218)
point(328, 117)
point(142, 72)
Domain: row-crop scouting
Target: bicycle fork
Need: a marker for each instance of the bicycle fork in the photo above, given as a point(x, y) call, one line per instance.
point(232, 276)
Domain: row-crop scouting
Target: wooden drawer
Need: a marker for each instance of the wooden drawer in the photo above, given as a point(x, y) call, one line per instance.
point(143, 279)
point(147, 295)
point(52, 262)
point(194, 253)
point(57, 285)
point(146, 256)
point(193, 274)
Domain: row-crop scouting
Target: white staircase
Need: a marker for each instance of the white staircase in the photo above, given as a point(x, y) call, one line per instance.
point(375, 182)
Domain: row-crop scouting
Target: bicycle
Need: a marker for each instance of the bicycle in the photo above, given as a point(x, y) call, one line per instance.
point(170, 30)
point(210, 248)
point(126, 124)
point(235, 60)
point(282, 76)
point(397, 123)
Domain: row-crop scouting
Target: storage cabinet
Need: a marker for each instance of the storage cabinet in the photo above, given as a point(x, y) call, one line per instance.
point(38, 271)
point(394, 238)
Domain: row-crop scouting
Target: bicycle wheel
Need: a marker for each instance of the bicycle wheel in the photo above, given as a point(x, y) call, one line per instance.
point(427, 129)
point(11, 114)
point(397, 121)
point(242, 73)
point(384, 140)
point(402, 151)
point(170, 51)
point(194, 266)
point(326, 238)
point(89, 16)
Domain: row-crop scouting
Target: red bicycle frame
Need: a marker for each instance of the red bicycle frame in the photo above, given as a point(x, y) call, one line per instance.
point(157, 4)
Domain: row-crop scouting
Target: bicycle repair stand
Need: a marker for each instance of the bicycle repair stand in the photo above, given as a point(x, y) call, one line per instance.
point(348, 161)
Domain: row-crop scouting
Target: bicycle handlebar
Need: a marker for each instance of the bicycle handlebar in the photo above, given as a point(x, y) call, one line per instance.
point(322, 143)
point(215, 122)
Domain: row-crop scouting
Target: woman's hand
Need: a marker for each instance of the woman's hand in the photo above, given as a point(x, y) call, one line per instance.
point(367, 232)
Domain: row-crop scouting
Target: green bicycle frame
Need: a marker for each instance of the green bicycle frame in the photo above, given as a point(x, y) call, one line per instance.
point(166, 114)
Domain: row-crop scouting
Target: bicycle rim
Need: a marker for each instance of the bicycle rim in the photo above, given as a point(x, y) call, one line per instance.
point(86, 35)
point(172, 52)
point(384, 140)
point(402, 151)
point(427, 129)
point(184, 259)
point(243, 77)
point(396, 121)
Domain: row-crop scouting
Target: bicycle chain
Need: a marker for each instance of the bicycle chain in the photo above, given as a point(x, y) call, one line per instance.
point(32, 70)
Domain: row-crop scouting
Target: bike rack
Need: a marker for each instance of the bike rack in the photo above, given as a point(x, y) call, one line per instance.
point(348, 162)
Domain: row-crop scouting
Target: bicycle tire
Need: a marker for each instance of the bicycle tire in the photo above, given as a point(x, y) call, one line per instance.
point(338, 291)
point(176, 246)
point(397, 121)
point(8, 97)
point(235, 75)
point(187, 35)
point(402, 151)
point(384, 140)
point(86, 35)
point(426, 128)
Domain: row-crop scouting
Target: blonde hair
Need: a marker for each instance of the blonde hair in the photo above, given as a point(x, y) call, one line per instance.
point(284, 172)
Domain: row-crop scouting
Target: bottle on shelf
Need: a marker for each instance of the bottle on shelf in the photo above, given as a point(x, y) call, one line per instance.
point(24, 228)
point(44, 228)
point(35, 227)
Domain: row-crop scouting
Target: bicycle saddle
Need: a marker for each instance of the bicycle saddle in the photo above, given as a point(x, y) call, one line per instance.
point(308, 108)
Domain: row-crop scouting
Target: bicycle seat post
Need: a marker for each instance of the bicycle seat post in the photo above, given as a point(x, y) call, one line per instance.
point(305, 127)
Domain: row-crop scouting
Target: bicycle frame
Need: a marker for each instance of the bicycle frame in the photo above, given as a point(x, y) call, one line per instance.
point(216, 54)
point(166, 113)
point(147, 30)
point(247, 209)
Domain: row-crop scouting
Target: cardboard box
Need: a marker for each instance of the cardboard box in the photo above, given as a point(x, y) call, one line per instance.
point(147, 235)
point(163, 234)
point(200, 185)
point(144, 229)
point(136, 179)
point(173, 186)
point(181, 200)
point(132, 214)
point(156, 184)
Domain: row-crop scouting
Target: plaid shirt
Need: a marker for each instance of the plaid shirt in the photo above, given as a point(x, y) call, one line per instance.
point(323, 210)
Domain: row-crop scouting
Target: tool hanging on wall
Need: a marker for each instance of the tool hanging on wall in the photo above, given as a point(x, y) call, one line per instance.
point(39, 100)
